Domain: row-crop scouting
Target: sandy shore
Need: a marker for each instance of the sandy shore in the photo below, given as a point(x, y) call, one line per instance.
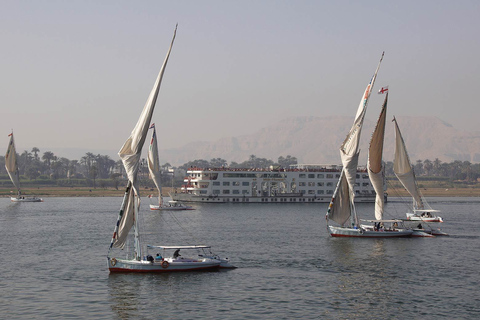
point(111, 192)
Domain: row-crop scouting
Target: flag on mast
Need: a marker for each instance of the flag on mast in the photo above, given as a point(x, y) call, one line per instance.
point(383, 90)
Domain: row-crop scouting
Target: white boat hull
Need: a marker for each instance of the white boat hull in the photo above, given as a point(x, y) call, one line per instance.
point(25, 199)
point(167, 265)
point(361, 233)
point(414, 217)
point(187, 197)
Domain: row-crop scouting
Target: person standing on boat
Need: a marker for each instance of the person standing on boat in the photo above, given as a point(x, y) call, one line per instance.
point(176, 254)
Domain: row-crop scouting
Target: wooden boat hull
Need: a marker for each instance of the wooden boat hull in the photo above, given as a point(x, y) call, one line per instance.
point(120, 265)
point(361, 233)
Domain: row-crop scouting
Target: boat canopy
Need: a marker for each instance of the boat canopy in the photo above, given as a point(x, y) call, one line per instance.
point(180, 247)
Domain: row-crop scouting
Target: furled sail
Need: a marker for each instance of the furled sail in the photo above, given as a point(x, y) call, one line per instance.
point(154, 163)
point(403, 169)
point(130, 154)
point(375, 165)
point(340, 208)
point(11, 163)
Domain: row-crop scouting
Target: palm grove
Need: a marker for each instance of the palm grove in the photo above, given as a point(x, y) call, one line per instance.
point(102, 171)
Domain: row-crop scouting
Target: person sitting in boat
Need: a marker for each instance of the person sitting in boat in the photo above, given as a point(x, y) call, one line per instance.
point(150, 258)
point(419, 226)
point(176, 254)
point(158, 257)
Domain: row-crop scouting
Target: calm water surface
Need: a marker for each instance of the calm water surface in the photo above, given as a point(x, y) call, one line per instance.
point(53, 264)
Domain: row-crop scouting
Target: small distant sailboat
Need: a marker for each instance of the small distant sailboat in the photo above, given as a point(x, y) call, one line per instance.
point(406, 175)
point(12, 169)
point(128, 216)
point(342, 208)
point(154, 168)
point(422, 212)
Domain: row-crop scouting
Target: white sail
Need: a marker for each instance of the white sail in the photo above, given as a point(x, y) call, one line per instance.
point(375, 164)
point(11, 163)
point(341, 205)
point(154, 163)
point(403, 169)
point(130, 154)
point(339, 209)
point(349, 148)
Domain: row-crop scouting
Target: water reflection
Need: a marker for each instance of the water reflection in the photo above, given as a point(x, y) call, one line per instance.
point(367, 280)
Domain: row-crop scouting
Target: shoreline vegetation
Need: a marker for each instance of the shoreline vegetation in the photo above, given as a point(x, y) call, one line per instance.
point(49, 191)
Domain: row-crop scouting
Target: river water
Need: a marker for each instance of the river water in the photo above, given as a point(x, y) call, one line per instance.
point(53, 264)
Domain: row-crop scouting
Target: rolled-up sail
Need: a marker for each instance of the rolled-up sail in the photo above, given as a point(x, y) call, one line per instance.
point(130, 154)
point(11, 163)
point(375, 164)
point(403, 168)
point(154, 163)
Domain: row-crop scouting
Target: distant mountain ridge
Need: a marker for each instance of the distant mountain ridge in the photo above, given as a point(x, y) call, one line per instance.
point(316, 140)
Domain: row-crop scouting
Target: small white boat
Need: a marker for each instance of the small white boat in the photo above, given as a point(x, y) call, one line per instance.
point(406, 175)
point(424, 215)
point(171, 205)
point(154, 169)
point(26, 199)
point(12, 170)
point(163, 263)
point(128, 217)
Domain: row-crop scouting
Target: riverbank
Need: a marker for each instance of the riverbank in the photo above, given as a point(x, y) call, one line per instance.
point(112, 192)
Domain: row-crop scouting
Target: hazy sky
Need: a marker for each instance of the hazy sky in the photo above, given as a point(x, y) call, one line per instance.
point(76, 74)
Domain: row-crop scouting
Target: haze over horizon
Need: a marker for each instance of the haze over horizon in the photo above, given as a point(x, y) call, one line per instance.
point(76, 74)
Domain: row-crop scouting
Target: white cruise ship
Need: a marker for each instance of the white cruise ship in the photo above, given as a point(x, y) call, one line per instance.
point(305, 183)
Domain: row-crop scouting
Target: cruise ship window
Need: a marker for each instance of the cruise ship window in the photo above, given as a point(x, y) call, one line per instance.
point(236, 191)
point(320, 184)
point(320, 176)
point(329, 176)
point(329, 191)
point(301, 184)
point(320, 191)
point(245, 183)
point(365, 184)
point(216, 191)
point(226, 191)
point(236, 183)
point(226, 183)
point(329, 184)
point(244, 191)
point(311, 176)
point(311, 191)
point(357, 176)
point(216, 183)
point(302, 175)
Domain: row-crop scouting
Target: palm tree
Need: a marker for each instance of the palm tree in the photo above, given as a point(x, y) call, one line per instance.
point(35, 151)
point(47, 157)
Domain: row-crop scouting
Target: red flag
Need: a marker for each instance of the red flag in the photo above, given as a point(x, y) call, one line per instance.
point(383, 90)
